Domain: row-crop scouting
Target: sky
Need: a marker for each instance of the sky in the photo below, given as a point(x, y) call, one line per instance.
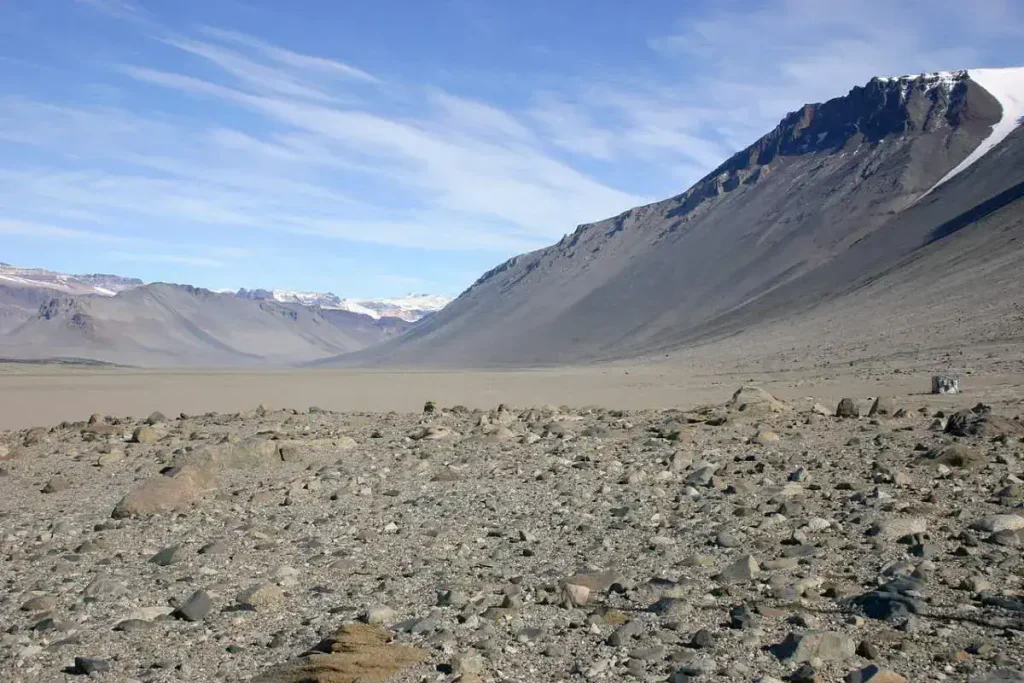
point(382, 148)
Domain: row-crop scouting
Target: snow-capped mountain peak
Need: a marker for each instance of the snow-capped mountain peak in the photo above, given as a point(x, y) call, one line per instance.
point(409, 308)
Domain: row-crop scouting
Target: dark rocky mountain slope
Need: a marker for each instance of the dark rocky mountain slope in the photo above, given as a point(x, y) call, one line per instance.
point(837, 196)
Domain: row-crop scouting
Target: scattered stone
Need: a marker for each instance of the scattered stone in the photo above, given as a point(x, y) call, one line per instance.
point(873, 674)
point(165, 494)
point(87, 666)
point(108, 459)
point(755, 400)
point(997, 523)
point(826, 646)
point(702, 640)
point(883, 406)
point(195, 608)
point(40, 603)
point(894, 528)
point(56, 485)
point(144, 434)
point(167, 556)
point(379, 614)
point(847, 408)
point(261, 597)
point(743, 569)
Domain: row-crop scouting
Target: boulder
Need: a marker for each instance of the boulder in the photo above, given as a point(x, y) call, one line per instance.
point(165, 494)
point(955, 455)
point(261, 597)
point(755, 400)
point(145, 434)
point(360, 653)
point(882, 407)
point(873, 674)
point(847, 408)
point(743, 569)
point(996, 523)
point(828, 646)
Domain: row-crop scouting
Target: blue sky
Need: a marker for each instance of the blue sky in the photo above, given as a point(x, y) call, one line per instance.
point(381, 148)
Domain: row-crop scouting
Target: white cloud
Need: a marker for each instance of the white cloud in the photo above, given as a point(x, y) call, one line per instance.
point(325, 149)
point(117, 8)
point(292, 59)
point(249, 72)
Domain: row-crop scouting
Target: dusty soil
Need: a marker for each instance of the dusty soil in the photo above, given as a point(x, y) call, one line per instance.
point(34, 395)
point(748, 540)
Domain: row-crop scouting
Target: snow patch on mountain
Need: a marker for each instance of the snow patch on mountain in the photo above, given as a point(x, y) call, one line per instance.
point(1007, 86)
point(96, 284)
point(409, 308)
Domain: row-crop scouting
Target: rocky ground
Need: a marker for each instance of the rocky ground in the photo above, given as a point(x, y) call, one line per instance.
point(756, 541)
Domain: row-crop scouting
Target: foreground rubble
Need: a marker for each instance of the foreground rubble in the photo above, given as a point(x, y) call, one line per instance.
point(756, 541)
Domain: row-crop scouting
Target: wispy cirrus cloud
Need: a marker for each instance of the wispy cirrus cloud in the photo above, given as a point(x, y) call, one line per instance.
point(291, 59)
point(213, 136)
point(127, 10)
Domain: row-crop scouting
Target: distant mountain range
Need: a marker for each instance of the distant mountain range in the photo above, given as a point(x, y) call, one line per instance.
point(408, 308)
point(49, 315)
point(97, 284)
point(891, 217)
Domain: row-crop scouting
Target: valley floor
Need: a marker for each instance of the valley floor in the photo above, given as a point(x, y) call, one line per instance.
point(750, 540)
point(33, 395)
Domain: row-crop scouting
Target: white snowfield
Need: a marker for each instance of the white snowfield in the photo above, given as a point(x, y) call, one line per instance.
point(409, 308)
point(1007, 86)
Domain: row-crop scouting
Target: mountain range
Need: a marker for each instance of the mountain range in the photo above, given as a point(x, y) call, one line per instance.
point(848, 212)
point(49, 315)
point(900, 201)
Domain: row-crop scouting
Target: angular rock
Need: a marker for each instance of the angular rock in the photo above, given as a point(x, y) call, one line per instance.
point(40, 603)
point(893, 528)
point(828, 646)
point(755, 400)
point(379, 614)
point(743, 569)
point(873, 674)
point(167, 556)
point(261, 597)
point(195, 608)
point(847, 408)
point(56, 485)
point(165, 494)
point(955, 455)
point(883, 406)
point(86, 666)
point(997, 523)
point(145, 434)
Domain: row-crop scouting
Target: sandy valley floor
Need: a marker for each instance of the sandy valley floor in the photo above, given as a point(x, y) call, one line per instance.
point(34, 395)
